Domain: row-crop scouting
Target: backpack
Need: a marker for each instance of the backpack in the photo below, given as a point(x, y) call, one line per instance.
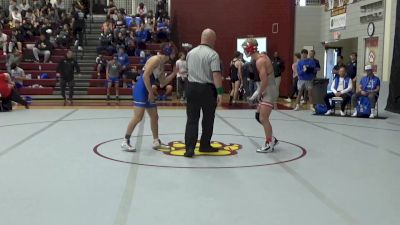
point(321, 109)
point(363, 107)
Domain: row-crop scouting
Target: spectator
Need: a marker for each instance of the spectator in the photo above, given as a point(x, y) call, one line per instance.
point(341, 87)
point(132, 75)
point(3, 16)
point(101, 65)
point(182, 76)
point(42, 47)
point(29, 15)
point(16, 16)
point(120, 26)
point(107, 25)
point(112, 74)
point(236, 66)
point(248, 76)
point(369, 87)
point(141, 10)
point(316, 61)
point(106, 43)
point(123, 61)
point(79, 26)
point(65, 70)
point(111, 8)
point(23, 7)
point(352, 69)
point(8, 93)
point(13, 4)
point(17, 75)
point(160, 9)
point(14, 57)
point(63, 38)
point(130, 43)
point(335, 70)
point(59, 5)
point(120, 41)
point(253, 99)
point(166, 89)
point(27, 29)
point(17, 38)
point(295, 90)
point(3, 41)
point(278, 69)
point(163, 30)
point(305, 70)
point(37, 4)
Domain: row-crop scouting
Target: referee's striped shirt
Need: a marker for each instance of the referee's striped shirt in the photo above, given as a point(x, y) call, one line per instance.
point(202, 61)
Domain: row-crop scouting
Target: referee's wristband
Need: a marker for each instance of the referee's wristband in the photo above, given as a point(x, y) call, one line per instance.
point(220, 90)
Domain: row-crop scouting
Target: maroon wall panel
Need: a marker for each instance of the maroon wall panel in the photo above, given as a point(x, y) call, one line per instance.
point(232, 19)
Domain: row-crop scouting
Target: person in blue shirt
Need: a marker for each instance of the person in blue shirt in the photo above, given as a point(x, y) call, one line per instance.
point(305, 69)
point(369, 87)
point(123, 61)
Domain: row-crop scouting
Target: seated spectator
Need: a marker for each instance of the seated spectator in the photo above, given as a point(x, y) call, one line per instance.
point(167, 90)
point(3, 41)
point(111, 8)
point(45, 26)
point(141, 38)
point(60, 7)
point(112, 74)
point(16, 16)
point(369, 87)
point(8, 93)
point(120, 26)
point(64, 37)
point(29, 15)
point(101, 65)
point(14, 57)
point(138, 22)
point(106, 43)
point(141, 10)
point(130, 43)
point(163, 30)
point(42, 47)
point(107, 25)
point(23, 7)
point(17, 38)
point(3, 16)
point(17, 75)
point(37, 4)
point(11, 6)
point(132, 75)
point(341, 87)
point(120, 41)
point(27, 29)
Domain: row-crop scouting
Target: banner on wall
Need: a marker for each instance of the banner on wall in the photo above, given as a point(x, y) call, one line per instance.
point(337, 22)
point(371, 52)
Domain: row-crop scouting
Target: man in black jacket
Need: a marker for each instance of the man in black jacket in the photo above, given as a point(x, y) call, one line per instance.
point(65, 70)
point(43, 47)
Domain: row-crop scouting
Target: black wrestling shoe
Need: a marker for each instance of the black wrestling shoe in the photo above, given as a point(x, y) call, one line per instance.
point(208, 149)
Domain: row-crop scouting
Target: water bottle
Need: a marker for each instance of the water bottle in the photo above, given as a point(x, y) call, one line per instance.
point(40, 67)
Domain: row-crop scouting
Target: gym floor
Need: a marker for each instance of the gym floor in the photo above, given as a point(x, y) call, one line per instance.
point(64, 166)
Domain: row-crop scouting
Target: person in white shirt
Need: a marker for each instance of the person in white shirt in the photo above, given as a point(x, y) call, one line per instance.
point(141, 10)
point(3, 41)
point(181, 81)
point(16, 15)
point(24, 6)
point(341, 87)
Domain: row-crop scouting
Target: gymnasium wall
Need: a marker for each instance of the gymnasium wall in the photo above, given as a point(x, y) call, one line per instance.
point(233, 19)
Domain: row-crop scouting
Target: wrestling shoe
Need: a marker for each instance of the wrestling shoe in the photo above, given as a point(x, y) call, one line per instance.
point(268, 147)
point(158, 145)
point(126, 146)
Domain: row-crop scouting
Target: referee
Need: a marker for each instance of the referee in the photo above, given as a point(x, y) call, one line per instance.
point(204, 92)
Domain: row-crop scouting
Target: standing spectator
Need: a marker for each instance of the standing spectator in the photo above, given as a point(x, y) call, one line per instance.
point(236, 69)
point(112, 74)
point(123, 61)
point(305, 70)
point(295, 90)
point(253, 99)
point(79, 26)
point(65, 70)
point(370, 86)
point(341, 87)
point(339, 63)
point(352, 69)
point(17, 75)
point(316, 61)
point(8, 93)
point(141, 10)
point(204, 92)
point(42, 47)
point(248, 75)
point(160, 9)
point(278, 69)
point(3, 41)
point(181, 67)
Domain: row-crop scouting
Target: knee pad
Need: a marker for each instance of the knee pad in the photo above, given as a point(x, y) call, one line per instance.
point(258, 117)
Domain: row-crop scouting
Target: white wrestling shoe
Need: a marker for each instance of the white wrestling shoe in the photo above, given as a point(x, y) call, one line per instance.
point(297, 107)
point(268, 147)
point(158, 145)
point(342, 113)
point(125, 146)
point(330, 112)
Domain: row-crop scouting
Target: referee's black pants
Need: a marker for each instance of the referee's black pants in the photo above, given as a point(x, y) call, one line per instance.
point(200, 97)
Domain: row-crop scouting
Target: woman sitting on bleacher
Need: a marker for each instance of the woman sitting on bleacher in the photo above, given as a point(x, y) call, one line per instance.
point(341, 87)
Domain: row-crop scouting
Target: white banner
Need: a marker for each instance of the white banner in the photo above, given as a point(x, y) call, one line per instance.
point(337, 22)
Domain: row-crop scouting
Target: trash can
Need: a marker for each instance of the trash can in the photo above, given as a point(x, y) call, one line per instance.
point(319, 90)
